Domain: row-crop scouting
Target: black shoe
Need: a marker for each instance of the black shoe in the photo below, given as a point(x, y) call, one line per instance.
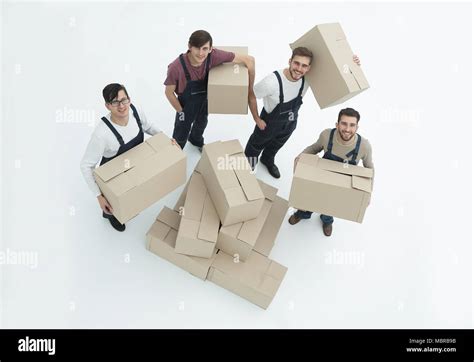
point(114, 222)
point(272, 169)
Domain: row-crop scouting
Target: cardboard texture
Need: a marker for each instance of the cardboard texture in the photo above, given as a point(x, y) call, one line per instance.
point(199, 225)
point(257, 279)
point(138, 178)
point(334, 77)
point(234, 190)
point(161, 240)
point(332, 188)
point(241, 238)
point(228, 84)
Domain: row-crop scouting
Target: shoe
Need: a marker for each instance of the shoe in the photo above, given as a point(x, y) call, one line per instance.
point(294, 219)
point(114, 222)
point(327, 229)
point(272, 169)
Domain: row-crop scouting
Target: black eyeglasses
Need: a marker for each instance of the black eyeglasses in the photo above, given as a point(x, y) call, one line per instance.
point(116, 103)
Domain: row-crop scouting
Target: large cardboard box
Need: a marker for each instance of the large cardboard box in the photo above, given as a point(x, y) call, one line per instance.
point(234, 189)
point(199, 225)
point(334, 77)
point(241, 238)
point(141, 176)
point(161, 240)
point(228, 84)
point(331, 188)
point(257, 279)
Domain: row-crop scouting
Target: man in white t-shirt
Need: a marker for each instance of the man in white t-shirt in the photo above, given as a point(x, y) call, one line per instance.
point(282, 93)
point(116, 134)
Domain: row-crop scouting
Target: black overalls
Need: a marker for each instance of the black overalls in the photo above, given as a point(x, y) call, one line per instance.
point(330, 156)
point(123, 146)
point(194, 103)
point(281, 122)
point(354, 153)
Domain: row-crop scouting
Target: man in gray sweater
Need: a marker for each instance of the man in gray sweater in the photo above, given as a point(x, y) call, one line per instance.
point(341, 144)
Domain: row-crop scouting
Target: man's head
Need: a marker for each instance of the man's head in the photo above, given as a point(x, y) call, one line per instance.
point(300, 62)
point(199, 45)
point(347, 123)
point(116, 99)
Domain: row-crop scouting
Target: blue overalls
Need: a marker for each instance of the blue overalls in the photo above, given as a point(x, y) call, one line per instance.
point(326, 219)
point(281, 122)
point(194, 103)
point(123, 146)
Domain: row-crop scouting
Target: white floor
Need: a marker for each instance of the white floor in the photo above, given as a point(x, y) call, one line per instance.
point(409, 265)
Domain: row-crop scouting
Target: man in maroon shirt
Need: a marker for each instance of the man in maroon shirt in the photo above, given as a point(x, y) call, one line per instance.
point(186, 86)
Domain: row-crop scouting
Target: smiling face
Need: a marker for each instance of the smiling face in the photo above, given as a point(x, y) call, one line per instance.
point(199, 55)
point(117, 106)
point(347, 127)
point(299, 66)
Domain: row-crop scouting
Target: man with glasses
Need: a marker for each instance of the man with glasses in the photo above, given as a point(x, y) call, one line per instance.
point(186, 86)
point(116, 134)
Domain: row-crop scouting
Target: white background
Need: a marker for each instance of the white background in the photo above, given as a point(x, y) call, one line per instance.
point(411, 263)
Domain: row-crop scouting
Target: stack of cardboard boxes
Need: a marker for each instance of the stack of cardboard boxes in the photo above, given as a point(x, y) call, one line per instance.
point(224, 226)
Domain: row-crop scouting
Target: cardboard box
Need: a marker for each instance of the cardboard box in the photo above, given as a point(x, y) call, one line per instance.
point(234, 190)
point(228, 86)
point(199, 225)
point(256, 279)
point(331, 188)
point(141, 176)
point(161, 240)
point(334, 77)
point(241, 238)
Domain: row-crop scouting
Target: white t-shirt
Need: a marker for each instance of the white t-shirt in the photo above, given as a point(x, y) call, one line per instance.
point(269, 90)
point(104, 143)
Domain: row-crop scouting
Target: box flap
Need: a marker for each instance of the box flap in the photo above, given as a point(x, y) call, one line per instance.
point(169, 217)
point(158, 230)
point(124, 162)
point(209, 227)
point(269, 191)
point(249, 184)
point(231, 147)
point(345, 168)
point(159, 141)
point(232, 230)
point(234, 49)
point(251, 229)
point(362, 183)
point(195, 197)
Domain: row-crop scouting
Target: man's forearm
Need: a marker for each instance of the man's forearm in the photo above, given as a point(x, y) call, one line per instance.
point(174, 102)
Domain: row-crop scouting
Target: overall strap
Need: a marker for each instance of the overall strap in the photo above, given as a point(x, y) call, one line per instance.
point(137, 117)
point(301, 88)
point(280, 85)
point(114, 131)
point(355, 151)
point(331, 138)
point(183, 64)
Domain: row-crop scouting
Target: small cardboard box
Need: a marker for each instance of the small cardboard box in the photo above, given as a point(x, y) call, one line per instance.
point(199, 226)
point(138, 178)
point(234, 190)
point(257, 279)
point(334, 77)
point(241, 238)
point(161, 240)
point(228, 86)
point(331, 188)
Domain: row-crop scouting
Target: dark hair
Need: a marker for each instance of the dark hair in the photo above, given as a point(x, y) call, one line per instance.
point(199, 38)
point(303, 52)
point(110, 91)
point(348, 112)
